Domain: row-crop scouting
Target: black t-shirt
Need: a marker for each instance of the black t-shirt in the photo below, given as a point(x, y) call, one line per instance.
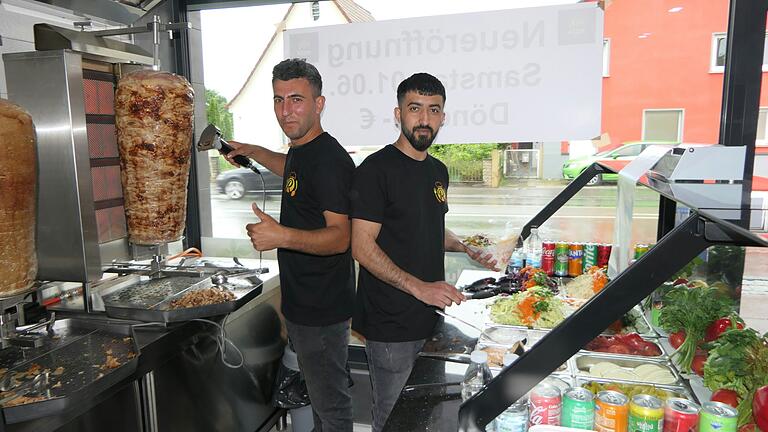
point(316, 290)
point(409, 199)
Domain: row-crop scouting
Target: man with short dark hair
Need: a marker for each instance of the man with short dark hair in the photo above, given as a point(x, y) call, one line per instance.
point(317, 275)
point(399, 199)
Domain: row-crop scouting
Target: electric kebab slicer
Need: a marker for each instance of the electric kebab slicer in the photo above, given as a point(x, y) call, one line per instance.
point(210, 139)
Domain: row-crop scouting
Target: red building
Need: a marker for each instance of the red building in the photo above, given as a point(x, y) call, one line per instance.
point(663, 71)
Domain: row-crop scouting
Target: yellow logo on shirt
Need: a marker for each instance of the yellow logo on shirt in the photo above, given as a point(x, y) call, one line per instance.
point(439, 192)
point(291, 184)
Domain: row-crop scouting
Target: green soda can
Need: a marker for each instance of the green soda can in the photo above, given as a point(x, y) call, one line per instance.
point(640, 250)
point(717, 417)
point(646, 414)
point(590, 256)
point(578, 409)
point(561, 259)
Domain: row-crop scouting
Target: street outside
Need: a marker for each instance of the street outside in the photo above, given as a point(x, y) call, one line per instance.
point(494, 212)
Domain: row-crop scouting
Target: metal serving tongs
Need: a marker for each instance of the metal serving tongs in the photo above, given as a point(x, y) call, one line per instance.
point(482, 332)
point(37, 386)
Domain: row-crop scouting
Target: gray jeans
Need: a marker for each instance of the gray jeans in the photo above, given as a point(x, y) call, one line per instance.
point(390, 364)
point(322, 353)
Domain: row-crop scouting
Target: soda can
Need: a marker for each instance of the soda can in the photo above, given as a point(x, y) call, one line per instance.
point(611, 411)
point(717, 417)
point(513, 419)
point(646, 414)
point(546, 404)
point(561, 259)
point(681, 415)
point(603, 255)
point(578, 409)
point(548, 257)
point(640, 250)
point(575, 259)
point(590, 256)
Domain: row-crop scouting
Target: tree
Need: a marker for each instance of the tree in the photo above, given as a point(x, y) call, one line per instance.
point(216, 112)
point(464, 152)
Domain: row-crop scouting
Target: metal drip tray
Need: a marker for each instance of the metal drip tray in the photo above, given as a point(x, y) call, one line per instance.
point(82, 357)
point(150, 300)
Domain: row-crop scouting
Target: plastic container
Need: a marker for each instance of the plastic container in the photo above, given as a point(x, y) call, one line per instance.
point(478, 374)
point(533, 248)
point(302, 419)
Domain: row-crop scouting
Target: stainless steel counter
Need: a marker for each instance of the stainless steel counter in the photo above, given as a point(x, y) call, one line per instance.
point(180, 382)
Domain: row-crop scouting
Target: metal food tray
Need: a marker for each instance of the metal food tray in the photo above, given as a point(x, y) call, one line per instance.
point(663, 355)
point(582, 362)
point(79, 347)
point(500, 334)
point(564, 369)
point(644, 328)
point(149, 300)
point(678, 391)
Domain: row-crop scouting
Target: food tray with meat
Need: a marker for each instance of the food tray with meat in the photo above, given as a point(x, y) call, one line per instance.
point(176, 299)
point(80, 359)
point(626, 369)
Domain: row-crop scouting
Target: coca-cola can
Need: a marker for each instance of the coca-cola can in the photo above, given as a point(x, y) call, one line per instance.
point(546, 405)
point(548, 257)
point(681, 415)
point(603, 255)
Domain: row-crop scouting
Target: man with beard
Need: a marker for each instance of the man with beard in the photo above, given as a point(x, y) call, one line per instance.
point(317, 276)
point(399, 201)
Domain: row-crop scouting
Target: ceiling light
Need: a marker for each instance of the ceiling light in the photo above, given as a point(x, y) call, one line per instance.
point(675, 9)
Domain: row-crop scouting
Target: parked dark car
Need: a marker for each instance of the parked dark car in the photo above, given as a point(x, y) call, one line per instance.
point(236, 183)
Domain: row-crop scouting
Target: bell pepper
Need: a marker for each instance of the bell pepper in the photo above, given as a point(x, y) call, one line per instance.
point(760, 407)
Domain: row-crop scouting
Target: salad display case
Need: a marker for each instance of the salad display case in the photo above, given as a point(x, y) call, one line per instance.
point(579, 346)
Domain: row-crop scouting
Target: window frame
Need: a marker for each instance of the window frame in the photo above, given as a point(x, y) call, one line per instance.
point(680, 125)
point(713, 67)
point(764, 142)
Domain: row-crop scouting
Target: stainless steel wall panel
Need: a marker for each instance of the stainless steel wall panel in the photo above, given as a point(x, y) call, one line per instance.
point(49, 85)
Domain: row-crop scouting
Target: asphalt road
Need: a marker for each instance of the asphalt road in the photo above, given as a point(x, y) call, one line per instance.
point(589, 216)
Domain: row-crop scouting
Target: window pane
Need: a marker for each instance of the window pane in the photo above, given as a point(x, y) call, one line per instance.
point(662, 125)
point(761, 120)
point(721, 47)
point(765, 50)
point(633, 150)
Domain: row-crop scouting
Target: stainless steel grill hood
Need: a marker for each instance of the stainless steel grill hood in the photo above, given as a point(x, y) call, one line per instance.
point(123, 11)
point(49, 37)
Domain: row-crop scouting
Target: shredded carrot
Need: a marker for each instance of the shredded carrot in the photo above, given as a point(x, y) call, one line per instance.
point(599, 279)
point(527, 314)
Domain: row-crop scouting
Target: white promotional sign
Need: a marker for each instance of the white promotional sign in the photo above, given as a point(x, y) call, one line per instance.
point(532, 74)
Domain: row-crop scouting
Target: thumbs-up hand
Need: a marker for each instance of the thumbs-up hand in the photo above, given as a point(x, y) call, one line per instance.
point(265, 234)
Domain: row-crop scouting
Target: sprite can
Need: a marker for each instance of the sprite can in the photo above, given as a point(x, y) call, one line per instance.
point(717, 417)
point(578, 409)
point(590, 256)
point(646, 414)
point(640, 250)
point(561, 259)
